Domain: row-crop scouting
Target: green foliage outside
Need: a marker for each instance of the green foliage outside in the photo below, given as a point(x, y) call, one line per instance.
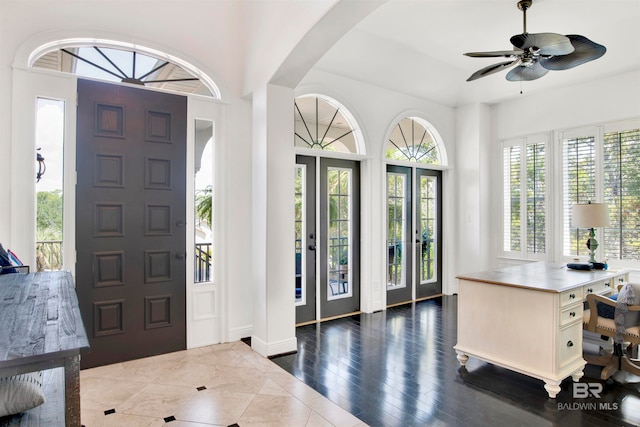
point(204, 205)
point(49, 230)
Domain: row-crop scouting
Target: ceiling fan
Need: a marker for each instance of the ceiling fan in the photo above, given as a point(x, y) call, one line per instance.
point(535, 54)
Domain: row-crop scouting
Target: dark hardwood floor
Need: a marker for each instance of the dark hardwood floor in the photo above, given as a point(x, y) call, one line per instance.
point(398, 368)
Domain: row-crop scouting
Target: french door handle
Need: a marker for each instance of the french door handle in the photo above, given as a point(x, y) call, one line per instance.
point(312, 247)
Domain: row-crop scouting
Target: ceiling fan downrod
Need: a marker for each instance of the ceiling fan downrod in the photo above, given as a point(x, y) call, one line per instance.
point(523, 5)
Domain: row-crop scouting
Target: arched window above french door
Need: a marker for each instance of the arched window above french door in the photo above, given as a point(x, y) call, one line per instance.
point(120, 62)
point(414, 140)
point(322, 123)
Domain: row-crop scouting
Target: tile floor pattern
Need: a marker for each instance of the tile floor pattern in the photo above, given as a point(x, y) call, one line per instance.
point(240, 388)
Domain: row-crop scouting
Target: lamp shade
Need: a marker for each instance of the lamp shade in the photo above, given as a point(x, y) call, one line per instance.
point(590, 215)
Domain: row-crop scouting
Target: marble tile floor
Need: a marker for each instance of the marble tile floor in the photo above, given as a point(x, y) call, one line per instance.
point(220, 385)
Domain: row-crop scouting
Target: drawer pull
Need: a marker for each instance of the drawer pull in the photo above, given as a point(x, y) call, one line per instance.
point(572, 314)
point(569, 343)
point(572, 295)
point(590, 290)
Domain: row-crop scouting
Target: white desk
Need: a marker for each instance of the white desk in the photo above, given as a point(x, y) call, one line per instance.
point(528, 318)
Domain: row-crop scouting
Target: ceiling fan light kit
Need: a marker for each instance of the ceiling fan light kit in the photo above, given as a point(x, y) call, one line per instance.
point(537, 53)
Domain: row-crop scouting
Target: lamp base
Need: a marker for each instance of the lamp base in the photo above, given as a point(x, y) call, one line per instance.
point(592, 245)
point(580, 266)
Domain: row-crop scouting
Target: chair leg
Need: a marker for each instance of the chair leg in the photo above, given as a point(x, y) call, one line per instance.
point(630, 365)
point(607, 360)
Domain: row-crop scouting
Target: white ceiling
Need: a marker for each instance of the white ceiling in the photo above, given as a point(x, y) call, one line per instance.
point(416, 46)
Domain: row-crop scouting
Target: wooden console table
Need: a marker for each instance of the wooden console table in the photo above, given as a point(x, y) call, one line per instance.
point(40, 329)
point(528, 318)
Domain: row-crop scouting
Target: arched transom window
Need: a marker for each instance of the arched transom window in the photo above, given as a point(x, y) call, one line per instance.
point(412, 140)
point(124, 65)
point(323, 124)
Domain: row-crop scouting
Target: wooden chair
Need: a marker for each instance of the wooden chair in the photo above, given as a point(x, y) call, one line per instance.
point(618, 359)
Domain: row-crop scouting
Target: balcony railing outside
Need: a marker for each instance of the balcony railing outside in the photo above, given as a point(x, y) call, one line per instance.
point(48, 255)
point(203, 261)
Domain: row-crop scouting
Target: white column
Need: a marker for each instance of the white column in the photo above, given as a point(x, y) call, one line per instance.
point(473, 169)
point(272, 240)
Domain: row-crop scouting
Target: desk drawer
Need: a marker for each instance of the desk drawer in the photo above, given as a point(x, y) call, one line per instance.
point(618, 281)
point(570, 297)
point(570, 314)
point(599, 288)
point(570, 344)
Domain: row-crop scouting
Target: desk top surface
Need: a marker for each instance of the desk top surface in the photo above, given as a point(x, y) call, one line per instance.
point(40, 317)
point(540, 276)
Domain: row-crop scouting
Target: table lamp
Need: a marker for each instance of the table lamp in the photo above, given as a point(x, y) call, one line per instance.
point(590, 215)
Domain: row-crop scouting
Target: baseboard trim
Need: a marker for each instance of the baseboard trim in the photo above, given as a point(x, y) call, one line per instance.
point(274, 348)
point(238, 333)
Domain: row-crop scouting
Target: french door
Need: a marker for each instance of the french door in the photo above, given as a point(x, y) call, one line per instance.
point(414, 230)
point(327, 237)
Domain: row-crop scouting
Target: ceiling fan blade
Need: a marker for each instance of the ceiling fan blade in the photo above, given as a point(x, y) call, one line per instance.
point(523, 73)
point(491, 69)
point(585, 51)
point(494, 54)
point(547, 43)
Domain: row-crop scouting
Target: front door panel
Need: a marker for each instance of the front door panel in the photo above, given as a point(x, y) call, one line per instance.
point(130, 231)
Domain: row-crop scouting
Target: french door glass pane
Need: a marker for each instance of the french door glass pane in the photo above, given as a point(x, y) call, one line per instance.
point(339, 237)
point(428, 218)
point(299, 232)
point(396, 211)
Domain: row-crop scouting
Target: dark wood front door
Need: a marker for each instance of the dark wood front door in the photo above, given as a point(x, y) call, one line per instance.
point(130, 221)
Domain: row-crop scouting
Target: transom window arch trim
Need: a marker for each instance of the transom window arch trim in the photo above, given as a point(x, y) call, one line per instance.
point(45, 48)
point(444, 159)
point(346, 113)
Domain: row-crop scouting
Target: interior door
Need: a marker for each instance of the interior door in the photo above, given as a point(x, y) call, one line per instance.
point(428, 235)
point(130, 221)
point(399, 235)
point(327, 251)
point(414, 231)
point(305, 212)
point(339, 237)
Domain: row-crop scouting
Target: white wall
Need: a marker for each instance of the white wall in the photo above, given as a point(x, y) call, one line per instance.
point(612, 99)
